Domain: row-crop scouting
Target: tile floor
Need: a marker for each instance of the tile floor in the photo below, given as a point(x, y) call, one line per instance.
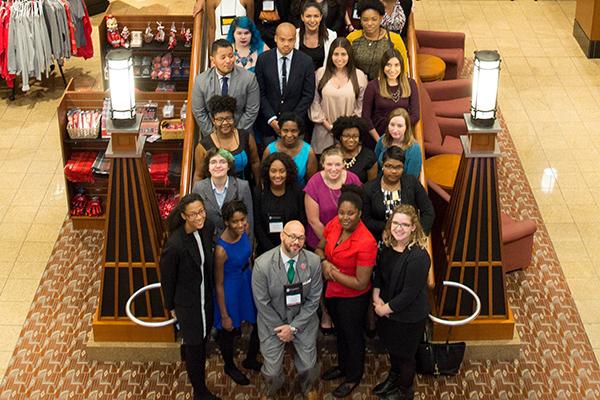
point(549, 94)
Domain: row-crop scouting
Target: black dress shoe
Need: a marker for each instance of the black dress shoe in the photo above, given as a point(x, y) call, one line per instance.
point(237, 376)
point(332, 373)
point(206, 396)
point(344, 389)
point(328, 331)
point(387, 386)
point(253, 364)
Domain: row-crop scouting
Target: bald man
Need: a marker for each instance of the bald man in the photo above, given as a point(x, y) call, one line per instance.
point(287, 285)
point(286, 79)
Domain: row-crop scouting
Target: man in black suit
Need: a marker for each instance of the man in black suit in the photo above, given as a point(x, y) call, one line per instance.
point(286, 79)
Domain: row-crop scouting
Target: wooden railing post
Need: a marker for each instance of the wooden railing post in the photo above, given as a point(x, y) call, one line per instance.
point(197, 65)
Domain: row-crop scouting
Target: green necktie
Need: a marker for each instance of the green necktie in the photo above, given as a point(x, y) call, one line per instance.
point(290, 272)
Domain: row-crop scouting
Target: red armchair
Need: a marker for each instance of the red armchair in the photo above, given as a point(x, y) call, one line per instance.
point(451, 98)
point(449, 46)
point(517, 236)
point(440, 134)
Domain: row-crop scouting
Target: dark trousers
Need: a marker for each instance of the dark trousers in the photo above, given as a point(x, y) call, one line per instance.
point(226, 339)
point(348, 315)
point(195, 365)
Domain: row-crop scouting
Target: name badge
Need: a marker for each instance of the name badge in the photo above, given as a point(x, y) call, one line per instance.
point(275, 223)
point(293, 294)
point(268, 5)
point(226, 24)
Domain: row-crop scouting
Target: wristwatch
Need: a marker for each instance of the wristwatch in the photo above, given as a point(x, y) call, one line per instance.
point(293, 329)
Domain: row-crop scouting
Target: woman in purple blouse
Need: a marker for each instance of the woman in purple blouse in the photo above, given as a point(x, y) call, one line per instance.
point(391, 90)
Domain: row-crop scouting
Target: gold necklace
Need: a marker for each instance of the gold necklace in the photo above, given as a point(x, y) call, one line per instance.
point(235, 140)
point(395, 95)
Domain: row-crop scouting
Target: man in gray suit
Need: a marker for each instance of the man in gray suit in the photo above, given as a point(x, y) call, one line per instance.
point(287, 285)
point(225, 78)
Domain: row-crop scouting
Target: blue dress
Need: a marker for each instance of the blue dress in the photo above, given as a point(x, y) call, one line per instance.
point(237, 282)
point(301, 160)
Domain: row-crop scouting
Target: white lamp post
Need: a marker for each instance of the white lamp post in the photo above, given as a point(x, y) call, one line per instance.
point(486, 74)
point(124, 123)
point(122, 88)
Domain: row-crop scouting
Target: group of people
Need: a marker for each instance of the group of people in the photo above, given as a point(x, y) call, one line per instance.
point(209, 281)
point(306, 211)
point(310, 71)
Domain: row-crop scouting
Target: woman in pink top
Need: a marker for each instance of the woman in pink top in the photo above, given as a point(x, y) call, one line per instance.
point(323, 191)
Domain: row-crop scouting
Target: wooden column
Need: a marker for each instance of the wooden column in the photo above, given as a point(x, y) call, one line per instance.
point(472, 245)
point(586, 27)
point(134, 236)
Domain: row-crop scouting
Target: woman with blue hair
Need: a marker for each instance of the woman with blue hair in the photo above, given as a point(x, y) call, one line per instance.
point(247, 43)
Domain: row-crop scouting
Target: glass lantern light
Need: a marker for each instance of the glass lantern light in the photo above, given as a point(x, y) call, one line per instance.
point(484, 96)
point(122, 88)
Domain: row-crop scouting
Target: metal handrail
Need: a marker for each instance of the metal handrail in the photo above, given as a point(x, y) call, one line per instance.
point(139, 321)
point(464, 321)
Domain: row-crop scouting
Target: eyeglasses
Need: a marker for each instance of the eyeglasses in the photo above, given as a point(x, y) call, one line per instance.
point(221, 121)
point(294, 238)
point(351, 137)
point(403, 225)
point(217, 162)
point(196, 214)
point(393, 167)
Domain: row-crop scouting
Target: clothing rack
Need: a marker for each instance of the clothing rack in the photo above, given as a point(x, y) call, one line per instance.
point(37, 35)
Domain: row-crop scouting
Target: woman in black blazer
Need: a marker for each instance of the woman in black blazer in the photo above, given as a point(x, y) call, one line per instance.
point(400, 299)
point(279, 201)
point(186, 274)
point(390, 190)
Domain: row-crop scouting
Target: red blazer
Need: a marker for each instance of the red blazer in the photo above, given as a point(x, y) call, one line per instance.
point(360, 249)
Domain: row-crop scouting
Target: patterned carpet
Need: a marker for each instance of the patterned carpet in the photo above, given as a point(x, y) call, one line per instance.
point(556, 362)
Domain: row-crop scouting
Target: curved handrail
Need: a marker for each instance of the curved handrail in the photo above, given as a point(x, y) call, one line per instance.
point(197, 64)
point(460, 321)
point(139, 321)
point(411, 44)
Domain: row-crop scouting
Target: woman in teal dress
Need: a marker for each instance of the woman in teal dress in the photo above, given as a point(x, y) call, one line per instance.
point(233, 289)
point(290, 142)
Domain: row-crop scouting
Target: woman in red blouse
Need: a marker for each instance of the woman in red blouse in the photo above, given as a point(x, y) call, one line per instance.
point(349, 252)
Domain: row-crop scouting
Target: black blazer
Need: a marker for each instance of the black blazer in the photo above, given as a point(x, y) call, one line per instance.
point(181, 278)
point(411, 192)
point(299, 90)
point(402, 280)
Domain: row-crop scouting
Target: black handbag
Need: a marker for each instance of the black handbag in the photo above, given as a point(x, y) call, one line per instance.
point(439, 358)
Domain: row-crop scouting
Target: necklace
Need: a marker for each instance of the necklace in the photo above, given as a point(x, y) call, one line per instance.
point(236, 141)
point(376, 38)
point(243, 60)
point(395, 95)
point(349, 162)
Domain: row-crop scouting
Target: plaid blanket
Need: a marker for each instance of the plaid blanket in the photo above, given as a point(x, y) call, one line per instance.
point(101, 165)
point(79, 166)
point(159, 168)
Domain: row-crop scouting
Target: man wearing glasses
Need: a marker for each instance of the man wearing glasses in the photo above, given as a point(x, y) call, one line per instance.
point(286, 284)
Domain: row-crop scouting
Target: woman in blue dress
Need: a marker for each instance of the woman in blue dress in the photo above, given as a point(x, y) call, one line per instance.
point(233, 290)
point(246, 41)
point(290, 142)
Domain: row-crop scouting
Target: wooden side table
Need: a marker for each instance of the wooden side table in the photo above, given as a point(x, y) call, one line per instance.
point(442, 169)
point(431, 68)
